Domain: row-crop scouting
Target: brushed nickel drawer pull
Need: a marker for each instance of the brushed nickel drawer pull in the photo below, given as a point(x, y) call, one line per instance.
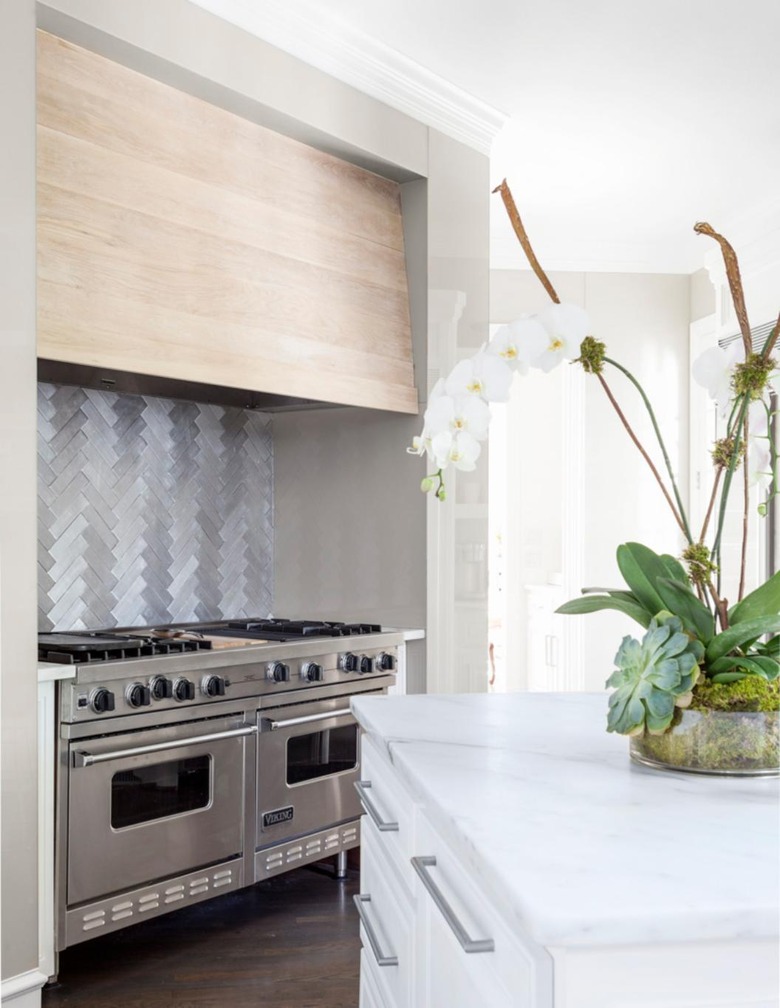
point(421, 866)
point(381, 960)
point(384, 825)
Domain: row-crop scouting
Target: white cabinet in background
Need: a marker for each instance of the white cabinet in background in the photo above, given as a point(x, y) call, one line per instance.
point(543, 650)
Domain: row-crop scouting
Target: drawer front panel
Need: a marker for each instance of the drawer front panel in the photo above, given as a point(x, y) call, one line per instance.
point(390, 809)
point(515, 972)
point(390, 921)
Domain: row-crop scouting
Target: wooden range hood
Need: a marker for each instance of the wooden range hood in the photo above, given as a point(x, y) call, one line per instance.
point(181, 243)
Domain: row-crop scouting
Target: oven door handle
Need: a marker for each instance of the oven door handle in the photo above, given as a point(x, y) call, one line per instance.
point(85, 759)
point(271, 725)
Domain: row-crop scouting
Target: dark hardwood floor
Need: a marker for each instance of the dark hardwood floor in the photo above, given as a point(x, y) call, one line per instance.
point(290, 942)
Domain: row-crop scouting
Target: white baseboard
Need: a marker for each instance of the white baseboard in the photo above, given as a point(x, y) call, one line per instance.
point(24, 989)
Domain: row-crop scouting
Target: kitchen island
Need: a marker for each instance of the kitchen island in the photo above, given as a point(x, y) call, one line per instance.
point(513, 855)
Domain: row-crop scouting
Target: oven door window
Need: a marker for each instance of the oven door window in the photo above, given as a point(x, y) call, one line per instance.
point(161, 790)
point(322, 753)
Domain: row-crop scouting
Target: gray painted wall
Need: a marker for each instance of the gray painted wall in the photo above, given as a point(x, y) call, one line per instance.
point(17, 500)
point(151, 510)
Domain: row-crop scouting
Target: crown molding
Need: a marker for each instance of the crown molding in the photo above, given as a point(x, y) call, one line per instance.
point(362, 61)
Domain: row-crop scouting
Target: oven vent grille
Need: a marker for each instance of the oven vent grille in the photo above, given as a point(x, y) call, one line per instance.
point(112, 914)
point(275, 860)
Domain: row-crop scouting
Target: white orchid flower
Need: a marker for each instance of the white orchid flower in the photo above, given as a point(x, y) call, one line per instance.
point(460, 450)
point(458, 413)
point(714, 369)
point(758, 420)
point(483, 375)
point(566, 327)
point(760, 463)
point(519, 343)
point(419, 446)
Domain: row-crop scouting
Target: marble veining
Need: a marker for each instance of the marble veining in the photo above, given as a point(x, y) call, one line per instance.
point(576, 843)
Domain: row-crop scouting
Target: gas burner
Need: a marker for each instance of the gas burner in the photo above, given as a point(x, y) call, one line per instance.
point(284, 629)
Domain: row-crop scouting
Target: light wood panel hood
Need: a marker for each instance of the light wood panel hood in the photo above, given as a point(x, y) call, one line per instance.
point(179, 241)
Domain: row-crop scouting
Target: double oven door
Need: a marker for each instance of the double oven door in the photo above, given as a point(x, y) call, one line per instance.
point(145, 805)
point(308, 762)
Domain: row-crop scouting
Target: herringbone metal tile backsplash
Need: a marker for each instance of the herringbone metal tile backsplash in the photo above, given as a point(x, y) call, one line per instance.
point(151, 510)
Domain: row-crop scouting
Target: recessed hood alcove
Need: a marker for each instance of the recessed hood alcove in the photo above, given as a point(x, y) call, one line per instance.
point(130, 383)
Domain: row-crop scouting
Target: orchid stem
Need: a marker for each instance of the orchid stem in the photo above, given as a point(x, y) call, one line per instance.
point(651, 414)
point(742, 413)
point(713, 498)
point(746, 500)
point(645, 456)
point(522, 237)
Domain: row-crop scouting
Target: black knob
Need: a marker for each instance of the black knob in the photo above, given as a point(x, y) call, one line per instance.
point(161, 687)
point(366, 665)
point(385, 661)
point(312, 672)
point(102, 701)
point(138, 695)
point(279, 672)
point(213, 685)
point(183, 689)
point(349, 662)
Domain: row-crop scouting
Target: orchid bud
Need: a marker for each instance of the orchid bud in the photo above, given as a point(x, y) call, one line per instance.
point(426, 484)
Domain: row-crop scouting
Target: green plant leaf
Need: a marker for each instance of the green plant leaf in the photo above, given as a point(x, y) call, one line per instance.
point(675, 569)
point(625, 595)
point(726, 677)
point(641, 568)
point(767, 668)
point(696, 617)
point(595, 603)
point(764, 601)
point(737, 636)
point(770, 647)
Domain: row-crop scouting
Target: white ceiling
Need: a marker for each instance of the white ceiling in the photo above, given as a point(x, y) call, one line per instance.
point(628, 120)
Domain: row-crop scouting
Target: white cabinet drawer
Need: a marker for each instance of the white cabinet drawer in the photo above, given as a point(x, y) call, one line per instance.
point(502, 969)
point(387, 924)
point(390, 809)
point(370, 987)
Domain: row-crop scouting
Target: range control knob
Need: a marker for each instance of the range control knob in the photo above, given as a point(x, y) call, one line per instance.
point(312, 672)
point(213, 685)
point(349, 662)
point(385, 662)
point(183, 689)
point(366, 665)
point(278, 672)
point(138, 695)
point(161, 687)
point(102, 701)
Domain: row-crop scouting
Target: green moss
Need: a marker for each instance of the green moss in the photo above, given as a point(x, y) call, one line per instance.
point(749, 694)
point(741, 742)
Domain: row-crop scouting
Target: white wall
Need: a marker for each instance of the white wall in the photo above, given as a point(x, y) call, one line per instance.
point(17, 499)
point(644, 322)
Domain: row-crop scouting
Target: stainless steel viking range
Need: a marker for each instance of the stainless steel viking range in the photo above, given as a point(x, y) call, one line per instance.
point(196, 759)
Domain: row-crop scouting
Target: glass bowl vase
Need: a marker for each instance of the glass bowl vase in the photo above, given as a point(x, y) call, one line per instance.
point(719, 743)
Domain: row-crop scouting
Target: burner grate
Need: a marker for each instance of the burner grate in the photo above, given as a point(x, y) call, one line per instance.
point(83, 648)
point(301, 628)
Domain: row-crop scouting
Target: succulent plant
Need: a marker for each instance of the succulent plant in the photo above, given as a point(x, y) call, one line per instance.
point(653, 676)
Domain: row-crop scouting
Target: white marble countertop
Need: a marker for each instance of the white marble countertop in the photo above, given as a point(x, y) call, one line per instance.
point(572, 840)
